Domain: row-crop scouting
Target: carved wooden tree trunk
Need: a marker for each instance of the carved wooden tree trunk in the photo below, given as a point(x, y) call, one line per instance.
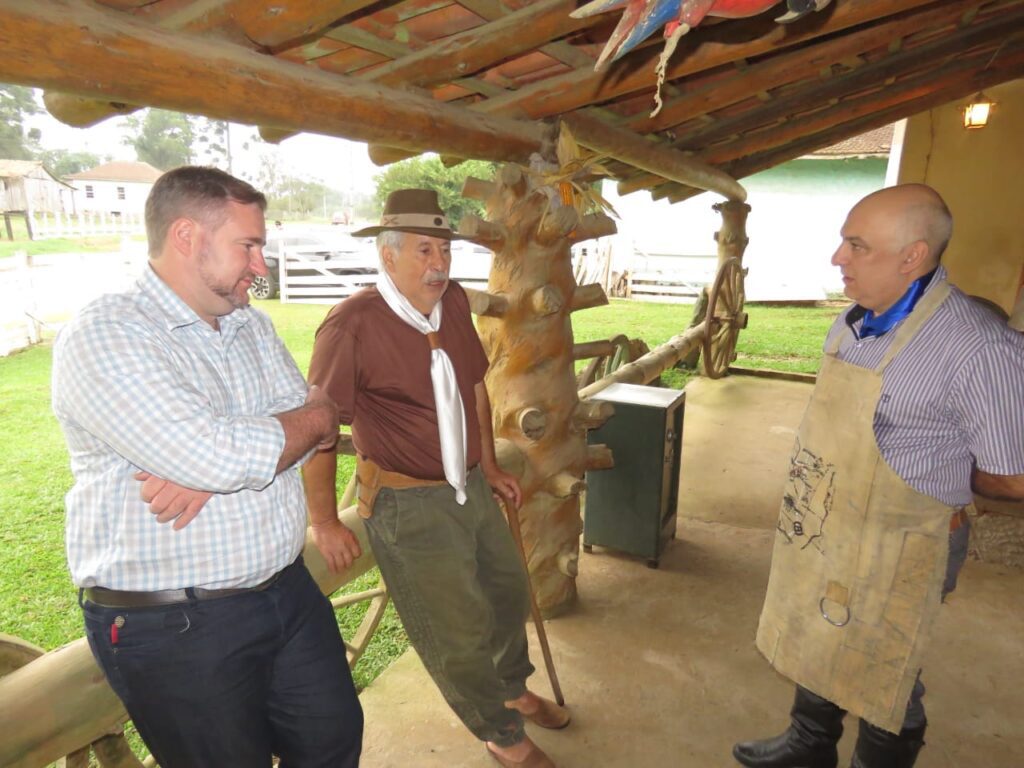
point(539, 423)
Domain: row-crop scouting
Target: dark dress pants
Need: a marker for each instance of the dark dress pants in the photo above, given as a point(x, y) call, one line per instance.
point(226, 682)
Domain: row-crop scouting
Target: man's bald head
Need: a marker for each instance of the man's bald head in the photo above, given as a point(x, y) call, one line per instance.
point(890, 239)
point(913, 212)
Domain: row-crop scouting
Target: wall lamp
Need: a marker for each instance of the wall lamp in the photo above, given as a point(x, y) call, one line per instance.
point(977, 111)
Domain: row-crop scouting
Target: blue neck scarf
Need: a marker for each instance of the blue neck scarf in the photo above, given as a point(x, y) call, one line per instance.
point(876, 325)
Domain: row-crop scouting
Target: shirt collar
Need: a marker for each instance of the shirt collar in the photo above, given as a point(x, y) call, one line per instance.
point(175, 313)
point(855, 317)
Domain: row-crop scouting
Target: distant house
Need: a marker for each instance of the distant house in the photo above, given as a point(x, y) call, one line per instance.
point(797, 209)
point(27, 187)
point(114, 189)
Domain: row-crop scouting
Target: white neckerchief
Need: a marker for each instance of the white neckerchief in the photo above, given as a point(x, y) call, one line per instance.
point(451, 414)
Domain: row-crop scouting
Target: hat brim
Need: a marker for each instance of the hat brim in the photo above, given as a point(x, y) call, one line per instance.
point(444, 234)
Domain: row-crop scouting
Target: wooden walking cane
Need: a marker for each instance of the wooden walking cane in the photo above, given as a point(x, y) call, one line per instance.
point(517, 533)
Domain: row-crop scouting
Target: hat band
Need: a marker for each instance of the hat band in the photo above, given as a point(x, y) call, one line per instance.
point(423, 220)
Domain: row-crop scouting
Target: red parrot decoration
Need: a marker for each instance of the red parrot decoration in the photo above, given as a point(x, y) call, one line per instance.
point(640, 18)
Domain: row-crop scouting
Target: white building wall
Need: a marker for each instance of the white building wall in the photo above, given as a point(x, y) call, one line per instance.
point(796, 213)
point(107, 196)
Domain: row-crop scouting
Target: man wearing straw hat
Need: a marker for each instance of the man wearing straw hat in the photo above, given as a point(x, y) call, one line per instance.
point(405, 365)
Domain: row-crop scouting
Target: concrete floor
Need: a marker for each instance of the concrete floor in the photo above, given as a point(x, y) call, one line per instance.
point(659, 666)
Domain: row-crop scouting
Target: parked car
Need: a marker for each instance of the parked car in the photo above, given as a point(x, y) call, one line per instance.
point(343, 256)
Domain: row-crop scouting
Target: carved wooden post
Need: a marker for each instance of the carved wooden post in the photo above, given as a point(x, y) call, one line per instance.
point(539, 423)
point(732, 237)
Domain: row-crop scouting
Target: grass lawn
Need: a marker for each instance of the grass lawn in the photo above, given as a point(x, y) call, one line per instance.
point(37, 600)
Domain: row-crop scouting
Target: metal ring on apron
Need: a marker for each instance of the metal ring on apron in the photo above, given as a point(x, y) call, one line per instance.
point(824, 613)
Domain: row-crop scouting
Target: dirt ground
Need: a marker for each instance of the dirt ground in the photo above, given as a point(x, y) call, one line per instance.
point(659, 666)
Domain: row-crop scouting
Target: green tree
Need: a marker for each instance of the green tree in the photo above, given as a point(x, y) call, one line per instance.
point(62, 162)
point(17, 103)
point(161, 138)
point(213, 143)
point(430, 173)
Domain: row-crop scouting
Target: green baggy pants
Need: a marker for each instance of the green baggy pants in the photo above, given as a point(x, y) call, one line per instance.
point(462, 593)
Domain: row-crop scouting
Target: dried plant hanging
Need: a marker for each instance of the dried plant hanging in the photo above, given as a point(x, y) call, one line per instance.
point(573, 179)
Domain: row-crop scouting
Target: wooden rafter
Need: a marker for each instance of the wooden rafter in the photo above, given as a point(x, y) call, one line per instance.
point(958, 80)
point(639, 153)
point(922, 83)
point(923, 57)
point(470, 51)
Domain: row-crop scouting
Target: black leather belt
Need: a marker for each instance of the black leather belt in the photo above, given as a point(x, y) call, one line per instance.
point(116, 598)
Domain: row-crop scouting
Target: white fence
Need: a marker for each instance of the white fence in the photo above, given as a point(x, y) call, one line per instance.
point(39, 293)
point(19, 323)
point(661, 287)
point(47, 225)
point(304, 279)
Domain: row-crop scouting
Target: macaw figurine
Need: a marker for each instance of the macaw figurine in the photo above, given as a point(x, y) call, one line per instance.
point(640, 18)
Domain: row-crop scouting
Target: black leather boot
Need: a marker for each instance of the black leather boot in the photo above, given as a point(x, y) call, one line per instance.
point(809, 742)
point(880, 749)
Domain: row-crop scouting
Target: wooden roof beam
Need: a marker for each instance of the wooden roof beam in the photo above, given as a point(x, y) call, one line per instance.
point(635, 72)
point(91, 48)
point(493, 10)
point(261, 23)
point(709, 94)
point(631, 149)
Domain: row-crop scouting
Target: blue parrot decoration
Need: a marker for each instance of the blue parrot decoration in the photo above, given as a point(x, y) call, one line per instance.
point(641, 18)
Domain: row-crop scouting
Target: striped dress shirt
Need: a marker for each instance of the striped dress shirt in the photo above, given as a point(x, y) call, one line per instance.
point(953, 397)
point(140, 382)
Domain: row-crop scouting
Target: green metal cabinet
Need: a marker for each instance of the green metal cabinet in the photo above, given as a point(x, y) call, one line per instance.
point(632, 506)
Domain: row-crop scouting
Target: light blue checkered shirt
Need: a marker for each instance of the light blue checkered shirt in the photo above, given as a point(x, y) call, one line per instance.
point(953, 397)
point(141, 382)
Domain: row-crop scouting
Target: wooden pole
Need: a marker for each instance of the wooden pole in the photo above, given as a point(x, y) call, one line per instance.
point(649, 367)
point(652, 157)
point(539, 435)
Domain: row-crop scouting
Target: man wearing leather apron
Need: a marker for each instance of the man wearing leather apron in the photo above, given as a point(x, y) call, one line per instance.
point(920, 394)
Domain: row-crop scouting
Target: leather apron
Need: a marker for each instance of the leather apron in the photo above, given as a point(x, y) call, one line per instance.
point(859, 556)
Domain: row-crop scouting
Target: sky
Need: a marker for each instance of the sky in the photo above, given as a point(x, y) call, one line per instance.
point(338, 163)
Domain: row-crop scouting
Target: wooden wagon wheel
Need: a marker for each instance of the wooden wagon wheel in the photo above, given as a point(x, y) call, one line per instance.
point(112, 751)
point(725, 319)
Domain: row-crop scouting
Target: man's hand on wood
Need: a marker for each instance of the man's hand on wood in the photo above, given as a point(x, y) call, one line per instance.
point(336, 543)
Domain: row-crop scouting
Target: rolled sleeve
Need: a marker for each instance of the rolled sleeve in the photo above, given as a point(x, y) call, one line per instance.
point(122, 385)
point(263, 446)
